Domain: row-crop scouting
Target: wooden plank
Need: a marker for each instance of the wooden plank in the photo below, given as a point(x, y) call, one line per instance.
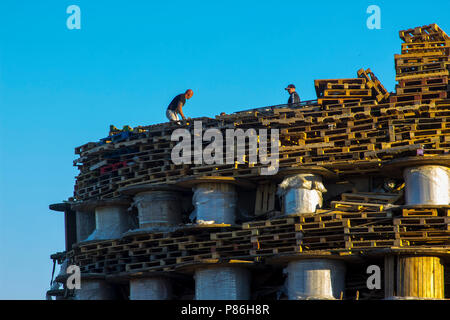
point(389, 276)
point(258, 200)
point(421, 277)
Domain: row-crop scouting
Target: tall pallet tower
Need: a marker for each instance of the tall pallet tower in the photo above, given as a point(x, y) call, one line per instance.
point(363, 183)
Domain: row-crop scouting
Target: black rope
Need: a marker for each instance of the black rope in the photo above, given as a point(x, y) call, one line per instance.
point(53, 272)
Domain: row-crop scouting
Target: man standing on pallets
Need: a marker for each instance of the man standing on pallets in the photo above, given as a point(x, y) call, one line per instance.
point(293, 95)
point(176, 106)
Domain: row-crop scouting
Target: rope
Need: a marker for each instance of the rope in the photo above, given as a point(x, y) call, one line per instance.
point(53, 272)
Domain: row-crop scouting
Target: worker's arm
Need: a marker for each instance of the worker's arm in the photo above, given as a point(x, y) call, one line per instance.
point(180, 110)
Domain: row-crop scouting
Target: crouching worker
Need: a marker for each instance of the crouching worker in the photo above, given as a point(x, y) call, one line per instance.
point(176, 106)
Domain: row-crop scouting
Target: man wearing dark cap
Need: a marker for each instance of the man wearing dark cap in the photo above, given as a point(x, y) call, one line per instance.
point(293, 96)
point(176, 106)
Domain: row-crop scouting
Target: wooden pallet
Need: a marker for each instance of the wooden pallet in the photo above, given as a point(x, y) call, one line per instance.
point(423, 82)
point(344, 93)
point(437, 73)
point(372, 82)
point(269, 223)
point(324, 225)
point(419, 212)
point(422, 223)
point(428, 33)
point(422, 89)
point(265, 198)
point(233, 234)
point(338, 100)
point(370, 244)
point(425, 235)
point(370, 197)
point(424, 47)
point(274, 251)
point(418, 97)
point(356, 206)
point(405, 61)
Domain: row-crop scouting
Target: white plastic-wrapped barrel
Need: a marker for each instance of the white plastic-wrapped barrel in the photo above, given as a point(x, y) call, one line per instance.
point(215, 203)
point(110, 223)
point(158, 209)
point(429, 184)
point(301, 193)
point(154, 288)
point(313, 279)
point(222, 283)
point(95, 289)
point(85, 222)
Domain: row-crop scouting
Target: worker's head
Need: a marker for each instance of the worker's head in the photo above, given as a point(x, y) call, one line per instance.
point(290, 88)
point(189, 93)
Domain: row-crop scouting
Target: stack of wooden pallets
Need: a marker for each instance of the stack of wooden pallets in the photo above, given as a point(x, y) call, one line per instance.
point(378, 90)
point(347, 138)
point(338, 91)
point(423, 226)
point(354, 128)
point(360, 230)
point(423, 66)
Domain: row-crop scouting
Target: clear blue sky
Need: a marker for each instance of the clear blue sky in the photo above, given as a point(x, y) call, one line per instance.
point(61, 88)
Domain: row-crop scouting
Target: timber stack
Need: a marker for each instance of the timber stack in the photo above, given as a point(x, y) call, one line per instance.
point(363, 179)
